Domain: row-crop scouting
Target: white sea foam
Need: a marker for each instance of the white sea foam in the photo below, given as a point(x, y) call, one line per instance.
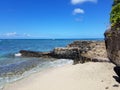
point(44, 65)
point(18, 54)
point(1, 83)
point(61, 62)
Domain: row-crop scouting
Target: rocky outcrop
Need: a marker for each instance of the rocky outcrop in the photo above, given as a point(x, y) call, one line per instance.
point(66, 53)
point(112, 40)
point(27, 53)
point(79, 51)
point(91, 51)
point(112, 36)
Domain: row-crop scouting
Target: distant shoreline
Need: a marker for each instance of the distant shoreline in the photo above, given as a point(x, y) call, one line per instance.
point(52, 38)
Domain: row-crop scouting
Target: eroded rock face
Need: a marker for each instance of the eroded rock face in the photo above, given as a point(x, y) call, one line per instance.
point(91, 51)
point(112, 40)
point(66, 52)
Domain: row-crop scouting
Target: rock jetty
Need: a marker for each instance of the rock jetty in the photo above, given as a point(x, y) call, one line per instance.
point(79, 51)
point(28, 53)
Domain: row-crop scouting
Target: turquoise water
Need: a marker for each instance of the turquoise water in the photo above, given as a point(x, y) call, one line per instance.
point(13, 68)
point(9, 47)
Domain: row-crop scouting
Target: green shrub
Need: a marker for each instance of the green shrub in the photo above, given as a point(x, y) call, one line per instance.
point(115, 15)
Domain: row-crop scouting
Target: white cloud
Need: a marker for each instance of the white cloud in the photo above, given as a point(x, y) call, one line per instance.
point(78, 11)
point(74, 2)
point(10, 34)
point(14, 35)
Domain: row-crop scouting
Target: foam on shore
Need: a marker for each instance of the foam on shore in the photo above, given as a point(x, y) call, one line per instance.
point(23, 69)
point(18, 54)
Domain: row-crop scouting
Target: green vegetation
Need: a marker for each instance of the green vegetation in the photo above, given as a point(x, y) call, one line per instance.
point(109, 35)
point(115, 13)
point(116, 2)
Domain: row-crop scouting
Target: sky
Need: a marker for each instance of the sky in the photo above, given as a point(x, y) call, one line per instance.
point(52, 19)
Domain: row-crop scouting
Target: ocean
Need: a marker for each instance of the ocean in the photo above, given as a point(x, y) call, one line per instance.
point(14, 67)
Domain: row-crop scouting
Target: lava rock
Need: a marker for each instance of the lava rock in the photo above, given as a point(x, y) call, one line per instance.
point(112, 41)
point(79, 51)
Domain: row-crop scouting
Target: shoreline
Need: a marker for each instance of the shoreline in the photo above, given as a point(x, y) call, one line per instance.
point(78, 51)
point(51, 65)
point(88, 76)
point(34, 74)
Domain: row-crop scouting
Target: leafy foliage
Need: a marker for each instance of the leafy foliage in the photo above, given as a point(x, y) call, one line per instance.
point(115, 13)
point(116, 2)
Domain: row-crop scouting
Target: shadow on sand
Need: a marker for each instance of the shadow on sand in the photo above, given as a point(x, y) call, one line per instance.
point(117, 71)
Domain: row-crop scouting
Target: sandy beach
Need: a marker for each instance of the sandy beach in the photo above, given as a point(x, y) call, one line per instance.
point(88, 76)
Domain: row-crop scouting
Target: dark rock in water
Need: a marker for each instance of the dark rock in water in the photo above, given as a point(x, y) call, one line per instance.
point(112, 40)
point(79, 51)
point(117, 70)
point(28, 53)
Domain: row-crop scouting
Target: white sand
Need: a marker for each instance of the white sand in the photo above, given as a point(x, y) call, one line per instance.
point(88, 76)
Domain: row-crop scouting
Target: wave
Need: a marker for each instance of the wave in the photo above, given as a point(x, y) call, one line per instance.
point(16, 71)
point(19, 70)
point(61, 62)
point(18, 54)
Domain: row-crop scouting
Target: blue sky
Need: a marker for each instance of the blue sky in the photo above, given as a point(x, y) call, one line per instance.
point(54, 18)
